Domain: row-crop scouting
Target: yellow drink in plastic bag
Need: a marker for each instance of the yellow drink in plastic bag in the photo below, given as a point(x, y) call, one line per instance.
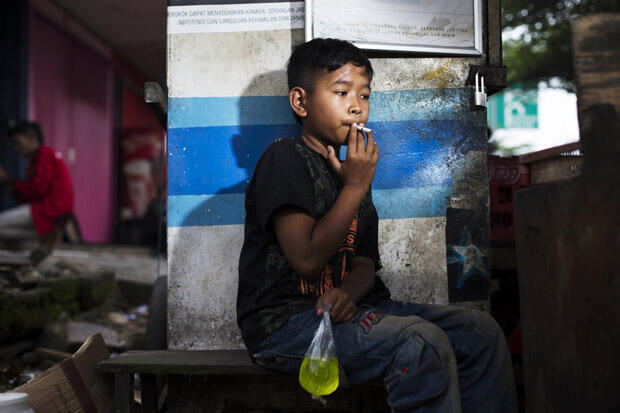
point(319, 377)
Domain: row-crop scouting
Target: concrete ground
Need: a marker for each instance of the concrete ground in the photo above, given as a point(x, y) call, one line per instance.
point(129, 263)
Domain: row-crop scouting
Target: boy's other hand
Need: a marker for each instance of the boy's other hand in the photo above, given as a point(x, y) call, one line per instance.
point(358, 169)
point(343, 307)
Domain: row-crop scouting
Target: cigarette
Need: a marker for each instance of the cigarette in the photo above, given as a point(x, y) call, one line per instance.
point(365, 130)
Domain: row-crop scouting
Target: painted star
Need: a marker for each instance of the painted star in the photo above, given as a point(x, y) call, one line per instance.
point(471, 258)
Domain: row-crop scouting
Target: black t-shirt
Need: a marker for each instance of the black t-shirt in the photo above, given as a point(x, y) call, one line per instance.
point(291, 174)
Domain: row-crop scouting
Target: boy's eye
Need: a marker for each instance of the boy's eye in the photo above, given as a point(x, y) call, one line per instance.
point(365, 96)
point(341, 93)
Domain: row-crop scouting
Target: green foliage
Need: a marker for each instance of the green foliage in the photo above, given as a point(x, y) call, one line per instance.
point(543, 49)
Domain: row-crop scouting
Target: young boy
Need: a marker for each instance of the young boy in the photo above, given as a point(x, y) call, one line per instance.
point(47, 192)
point(311, 238)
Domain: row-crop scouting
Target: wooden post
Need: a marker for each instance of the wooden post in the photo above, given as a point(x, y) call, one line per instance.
point(148, 393)
point(123, 393)
point(596, 54)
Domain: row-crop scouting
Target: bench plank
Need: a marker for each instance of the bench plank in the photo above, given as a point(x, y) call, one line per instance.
point(196, 362)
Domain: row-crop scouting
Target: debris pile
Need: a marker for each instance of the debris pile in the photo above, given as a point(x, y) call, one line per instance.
point(47, 315)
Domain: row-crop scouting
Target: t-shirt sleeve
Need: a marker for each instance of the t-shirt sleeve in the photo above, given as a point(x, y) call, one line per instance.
point(281, 180)
point(368, 244)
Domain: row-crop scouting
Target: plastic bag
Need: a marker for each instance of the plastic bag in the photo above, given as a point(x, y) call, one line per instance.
point(318, 374)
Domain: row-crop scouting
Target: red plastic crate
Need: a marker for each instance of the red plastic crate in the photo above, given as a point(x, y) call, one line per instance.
point(505, 177)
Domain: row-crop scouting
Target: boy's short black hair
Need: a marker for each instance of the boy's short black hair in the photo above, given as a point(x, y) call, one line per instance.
point(24, 127)
point(310, 59)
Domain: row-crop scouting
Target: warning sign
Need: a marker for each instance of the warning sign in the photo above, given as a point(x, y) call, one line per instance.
point(235, 17)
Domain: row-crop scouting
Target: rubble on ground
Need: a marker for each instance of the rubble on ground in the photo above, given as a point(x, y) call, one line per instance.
point(47, 316)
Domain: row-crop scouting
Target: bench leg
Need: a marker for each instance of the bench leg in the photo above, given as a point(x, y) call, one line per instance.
point(148, 392)
point(361, 400)
point(123, 393)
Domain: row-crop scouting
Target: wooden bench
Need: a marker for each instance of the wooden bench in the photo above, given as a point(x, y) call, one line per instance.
point(149, 364)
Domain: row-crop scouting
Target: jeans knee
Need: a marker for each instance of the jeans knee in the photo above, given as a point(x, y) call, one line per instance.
point(420, 370)
point(437, 338)
point(487, 328)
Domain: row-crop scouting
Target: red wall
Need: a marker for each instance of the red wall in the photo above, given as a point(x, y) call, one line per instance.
point(71, 95)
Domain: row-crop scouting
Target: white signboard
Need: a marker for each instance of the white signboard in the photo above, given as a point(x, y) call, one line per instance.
point(219, 18)
point(432, 26)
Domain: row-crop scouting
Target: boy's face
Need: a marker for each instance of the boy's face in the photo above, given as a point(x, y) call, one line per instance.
point(339, 98)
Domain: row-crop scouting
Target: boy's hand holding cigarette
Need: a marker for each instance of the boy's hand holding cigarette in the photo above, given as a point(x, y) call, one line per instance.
point(358, 169)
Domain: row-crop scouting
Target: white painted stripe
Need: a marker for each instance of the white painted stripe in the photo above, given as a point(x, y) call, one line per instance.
point(254, 64)
point(203, 276)
point(413, 254)
point(220, 18)
point(202, 287)
point(230, 64)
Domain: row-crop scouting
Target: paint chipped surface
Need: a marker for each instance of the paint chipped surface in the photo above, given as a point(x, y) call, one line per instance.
point(442, 75)
point(413, 253)
point(223, 64)
point(203, 276)
point(203, 260)
point(202, 287)
point(411, 74)
point(470, 179)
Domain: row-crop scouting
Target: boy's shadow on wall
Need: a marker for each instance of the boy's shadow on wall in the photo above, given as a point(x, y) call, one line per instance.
point(247, 146)
point(197, 256)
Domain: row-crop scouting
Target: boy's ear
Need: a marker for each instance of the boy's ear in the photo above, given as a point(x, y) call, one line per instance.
point(298, 97)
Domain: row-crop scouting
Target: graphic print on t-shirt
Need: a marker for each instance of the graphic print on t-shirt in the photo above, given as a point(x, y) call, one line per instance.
point(340, 264)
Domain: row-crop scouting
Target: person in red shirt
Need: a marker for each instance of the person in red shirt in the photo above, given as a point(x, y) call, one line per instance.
point(46, 194)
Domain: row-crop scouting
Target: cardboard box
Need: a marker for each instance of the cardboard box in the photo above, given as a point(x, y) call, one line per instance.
point(74, 385)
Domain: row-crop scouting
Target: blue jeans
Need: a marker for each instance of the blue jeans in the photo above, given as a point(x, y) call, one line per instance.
point(432, 358)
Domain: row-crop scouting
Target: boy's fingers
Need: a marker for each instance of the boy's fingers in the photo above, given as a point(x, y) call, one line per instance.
point(352, 143)
point(336, 311)
point(370, 143)
point(333, 160)
point(319, 306)
point(375, 150)
point(348, 311)
point(361, 145)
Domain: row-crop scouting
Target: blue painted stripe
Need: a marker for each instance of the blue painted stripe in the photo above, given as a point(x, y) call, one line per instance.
point(388, 106)
point(423, 202)
point(414, 154)
point(228, 209)
point(223, 111)
point(205, 210)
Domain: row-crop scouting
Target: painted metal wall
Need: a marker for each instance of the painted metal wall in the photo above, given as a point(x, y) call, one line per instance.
point(70, 93)
point(228, 101)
